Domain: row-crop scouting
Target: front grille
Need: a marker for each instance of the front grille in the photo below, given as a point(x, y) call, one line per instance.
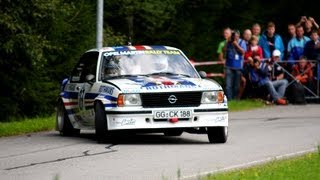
point(183, 99)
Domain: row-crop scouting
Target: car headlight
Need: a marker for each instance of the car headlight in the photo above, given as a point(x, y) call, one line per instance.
point(211, 97)
point(129, 100)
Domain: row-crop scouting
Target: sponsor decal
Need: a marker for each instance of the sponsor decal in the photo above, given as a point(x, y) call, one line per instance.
point(124, 122)
point(106, 89)
point(117, 53)
point(220, 118)
point(169, 87)
point(153, 83)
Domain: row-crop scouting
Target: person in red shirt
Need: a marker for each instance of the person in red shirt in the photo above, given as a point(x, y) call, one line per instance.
point(254, 50)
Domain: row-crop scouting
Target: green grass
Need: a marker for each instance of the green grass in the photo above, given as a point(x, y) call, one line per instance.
point(26, 126)
point(302, 167)
point(246, 104)
point(16, 127)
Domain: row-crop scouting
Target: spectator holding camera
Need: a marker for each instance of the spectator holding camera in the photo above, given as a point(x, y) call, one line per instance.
point(270, 41)
point(296, 45)
point(226, 36)
point(234, 50)
point(309, 24)
point(261, 75)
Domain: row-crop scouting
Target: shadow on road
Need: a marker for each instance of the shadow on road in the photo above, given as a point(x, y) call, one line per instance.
point(136, 139)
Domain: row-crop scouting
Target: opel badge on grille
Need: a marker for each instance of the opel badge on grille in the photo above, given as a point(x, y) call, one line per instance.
point(172, 99)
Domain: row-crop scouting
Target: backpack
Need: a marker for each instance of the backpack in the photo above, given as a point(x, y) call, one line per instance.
point(297, 94)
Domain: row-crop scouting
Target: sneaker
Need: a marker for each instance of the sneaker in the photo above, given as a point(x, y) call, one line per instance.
point(281, 101)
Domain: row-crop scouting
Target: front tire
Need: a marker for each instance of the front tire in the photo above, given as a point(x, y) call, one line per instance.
point(63, 124)
point(217, 134)
point(101, 124)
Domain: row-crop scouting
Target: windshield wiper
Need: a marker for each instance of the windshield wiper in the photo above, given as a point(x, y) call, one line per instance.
point(167, 73)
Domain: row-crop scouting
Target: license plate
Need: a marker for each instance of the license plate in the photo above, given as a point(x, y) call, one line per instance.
point(167, 114)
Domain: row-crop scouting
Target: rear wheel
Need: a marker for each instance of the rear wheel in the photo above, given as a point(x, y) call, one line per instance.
point(217, 134)
point(101, 124)
point(63, 124)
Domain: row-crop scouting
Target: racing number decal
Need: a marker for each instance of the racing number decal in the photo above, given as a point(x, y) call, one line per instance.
point(81, 99)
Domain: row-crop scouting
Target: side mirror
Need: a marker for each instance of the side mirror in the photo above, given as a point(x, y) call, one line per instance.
point(202, 74)
point(90, 78)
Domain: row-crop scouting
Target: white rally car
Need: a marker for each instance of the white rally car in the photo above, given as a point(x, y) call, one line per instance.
point(141, 89)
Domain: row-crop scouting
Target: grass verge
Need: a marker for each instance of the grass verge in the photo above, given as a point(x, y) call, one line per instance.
point(303, 167)
point(26, 126)
point(48, 123)
point(245, 104)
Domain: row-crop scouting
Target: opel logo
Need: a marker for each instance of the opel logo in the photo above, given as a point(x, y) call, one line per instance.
point(172, 99)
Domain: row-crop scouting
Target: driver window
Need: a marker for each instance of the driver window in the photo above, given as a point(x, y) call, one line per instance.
point(86, 65)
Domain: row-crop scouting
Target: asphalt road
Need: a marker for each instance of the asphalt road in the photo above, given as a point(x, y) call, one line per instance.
point(254, 137)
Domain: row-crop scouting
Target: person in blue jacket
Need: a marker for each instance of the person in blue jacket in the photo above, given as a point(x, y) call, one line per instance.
point(270, 41)
point(234, 50)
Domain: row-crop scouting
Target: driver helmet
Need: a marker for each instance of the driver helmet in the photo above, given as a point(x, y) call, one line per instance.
point(161, 64)
point(112, 69)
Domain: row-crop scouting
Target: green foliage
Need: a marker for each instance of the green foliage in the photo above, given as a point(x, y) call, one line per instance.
point(303, 167)
point(246, 104)
point(40, 41)
point(27, 126)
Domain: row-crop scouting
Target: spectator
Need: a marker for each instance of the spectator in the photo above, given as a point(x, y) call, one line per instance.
point(234, 49)
point(291, 34)
point(269, 41)
point(247, 36)
point(312, 50)
point(302, 71)
point(259, 73)
point(309, 25)
point(254, 50)
point(226, 36)
point(296, 45)
point(312, 47)
point(256, 30)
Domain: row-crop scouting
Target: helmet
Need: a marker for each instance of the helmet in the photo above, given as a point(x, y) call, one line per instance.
point(161, 64)
point(112, 69)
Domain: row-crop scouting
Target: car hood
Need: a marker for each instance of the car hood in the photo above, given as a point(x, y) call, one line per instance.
point(163, 84)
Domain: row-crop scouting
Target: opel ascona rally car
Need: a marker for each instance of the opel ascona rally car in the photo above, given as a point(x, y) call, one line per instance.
point(141, 88)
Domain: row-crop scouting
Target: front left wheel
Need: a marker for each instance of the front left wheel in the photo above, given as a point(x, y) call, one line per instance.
point(63, 124)
point(101, 124)
point(217, 134)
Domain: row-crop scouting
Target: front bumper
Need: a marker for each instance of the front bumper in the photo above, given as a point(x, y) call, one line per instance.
point(137, 118)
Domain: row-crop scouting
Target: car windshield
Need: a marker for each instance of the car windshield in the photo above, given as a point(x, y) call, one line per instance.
point(118, 64)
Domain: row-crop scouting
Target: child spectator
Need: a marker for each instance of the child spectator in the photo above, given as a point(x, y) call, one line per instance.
point(296, 45)
point(312, 47)
point(312, 51)
point(256, 30)
point(302, 71)
point(269, 41)
point(226, 36)
point(254, 50)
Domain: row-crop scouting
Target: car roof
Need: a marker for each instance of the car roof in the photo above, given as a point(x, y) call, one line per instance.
point(134, 48)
